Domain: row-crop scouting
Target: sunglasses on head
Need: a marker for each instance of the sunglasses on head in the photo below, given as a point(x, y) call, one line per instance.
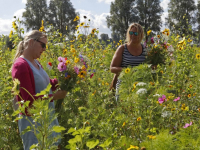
point(42, 44)
point(135, 33)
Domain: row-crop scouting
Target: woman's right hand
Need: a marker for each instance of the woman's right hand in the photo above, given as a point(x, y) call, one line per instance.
point(60, 94)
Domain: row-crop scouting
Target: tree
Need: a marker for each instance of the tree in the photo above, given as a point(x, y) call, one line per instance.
point(198, 18)
point(61, 14)
point(115, 37)
point(149, 12)
point(104, 37)
point(181, 16)
point(35, 12)
point(122, 14)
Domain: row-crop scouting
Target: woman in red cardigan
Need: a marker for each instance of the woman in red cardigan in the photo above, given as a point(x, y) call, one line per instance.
point(34, 79)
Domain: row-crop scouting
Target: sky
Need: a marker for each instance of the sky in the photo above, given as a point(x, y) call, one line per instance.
point(95, 10)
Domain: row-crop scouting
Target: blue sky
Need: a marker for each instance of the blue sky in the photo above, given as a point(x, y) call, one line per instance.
point(96, 10)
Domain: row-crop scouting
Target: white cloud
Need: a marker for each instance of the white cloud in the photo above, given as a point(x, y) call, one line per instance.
point(5, 26)
point(24, 1)
point(96, 21)
point(106, 1)
point(164, 5)
point(19, 13)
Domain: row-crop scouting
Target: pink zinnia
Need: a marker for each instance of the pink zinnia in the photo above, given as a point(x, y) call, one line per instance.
point(62, 67)
point(76, 70)
point(162, 99)
point(61, 59)
point(152, 41)
point(177, 99)
point(187, 124)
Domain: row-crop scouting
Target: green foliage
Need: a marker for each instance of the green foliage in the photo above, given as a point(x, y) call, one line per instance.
point(149, 13)
point(122, 13)
point(90, 117)
point(35, 12)
point(181, 17)
point(61, 14)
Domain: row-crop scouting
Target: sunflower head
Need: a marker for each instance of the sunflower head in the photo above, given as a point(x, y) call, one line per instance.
point(82, 74)
point(127, 70)
point(197, 56)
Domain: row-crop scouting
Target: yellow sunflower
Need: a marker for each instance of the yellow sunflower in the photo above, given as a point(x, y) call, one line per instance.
point(67, 62)
point(82, 24)
point(76, 18)
point(127, 70)
point(158, 36)
point(151, 137)
point(82, 74)
point(148, 32)
point(139, 118)
point(76, 59)
point(197, 56)
point(133, 147)
point(189, 95)
point(183, 107)
point(93, 30)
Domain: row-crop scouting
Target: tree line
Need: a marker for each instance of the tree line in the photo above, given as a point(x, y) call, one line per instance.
point(183, 16)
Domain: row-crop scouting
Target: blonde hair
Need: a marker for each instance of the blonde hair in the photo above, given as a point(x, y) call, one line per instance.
point(139, 30)
point(34, 34)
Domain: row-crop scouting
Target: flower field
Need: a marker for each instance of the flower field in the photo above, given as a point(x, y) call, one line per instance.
point(159, 109)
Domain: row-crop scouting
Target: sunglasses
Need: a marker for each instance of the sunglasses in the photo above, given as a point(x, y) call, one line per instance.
point(135, 33)
point(42, 44)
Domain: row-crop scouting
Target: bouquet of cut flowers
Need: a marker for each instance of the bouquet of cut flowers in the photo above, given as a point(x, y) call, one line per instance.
point(69, 70)
point(158, 48)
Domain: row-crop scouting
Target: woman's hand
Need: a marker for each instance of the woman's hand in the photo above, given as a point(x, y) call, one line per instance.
point(60, 94)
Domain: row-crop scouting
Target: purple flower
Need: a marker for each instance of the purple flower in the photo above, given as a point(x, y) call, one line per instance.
point(61, 59)
point(177, 99)
point(152, 41)
point(66, 74)
point(62, 67)
point(162, 99)
point(76, 70)
point(80, 56)
point(187, 124)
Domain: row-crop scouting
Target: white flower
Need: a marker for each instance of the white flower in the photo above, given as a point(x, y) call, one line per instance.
point(141, 84)
point(166, 114)
point(141, 91)
point(22, 101)
point(158, 95)
point(61, 45)
point(170, 48)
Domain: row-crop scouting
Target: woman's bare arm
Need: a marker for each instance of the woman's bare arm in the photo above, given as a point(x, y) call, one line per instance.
point(115, 66)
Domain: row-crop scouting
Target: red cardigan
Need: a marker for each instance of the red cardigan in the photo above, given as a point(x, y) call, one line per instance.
point(22, 71)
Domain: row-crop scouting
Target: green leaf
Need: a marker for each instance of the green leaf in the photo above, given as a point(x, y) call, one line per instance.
point(45, 91)
point(75, 140)
point(92, 143)
point(71, 130)
point(106, 143)
point(87, 129)
point(58, 129)
point(33, 146)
